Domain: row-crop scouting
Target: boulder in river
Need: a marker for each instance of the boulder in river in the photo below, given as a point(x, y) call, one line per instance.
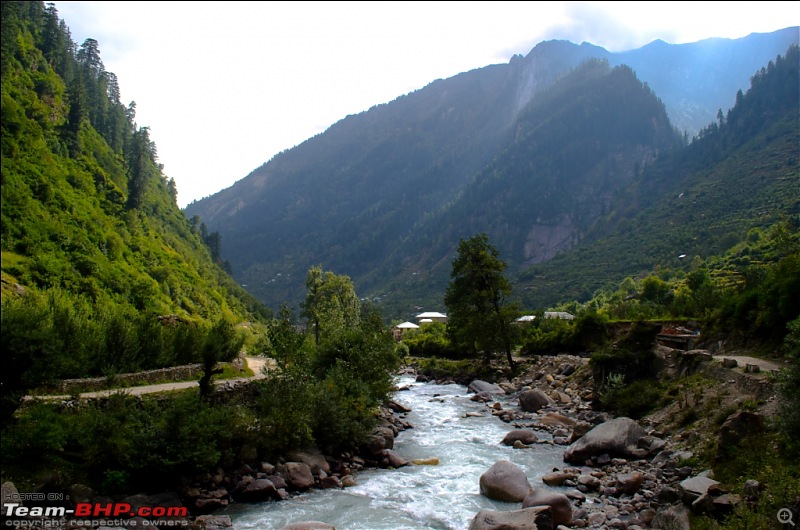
point(505, 481)
point(480, 387)
point(525, 436)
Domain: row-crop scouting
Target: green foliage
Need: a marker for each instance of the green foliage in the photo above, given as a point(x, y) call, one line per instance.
point(788, 384)
point(634, 400)
point(462, 371)
point(284, 404)
point(286, 344)
point(331, 303)
point(548, 337)
point(758, 457)
point(630, 358)
point(223, 343)
point(430, 340)
point(123, 442)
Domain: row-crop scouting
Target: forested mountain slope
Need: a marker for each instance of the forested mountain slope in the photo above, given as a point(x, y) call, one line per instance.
point(742, 173)
point(370, 194)
point(96, 254)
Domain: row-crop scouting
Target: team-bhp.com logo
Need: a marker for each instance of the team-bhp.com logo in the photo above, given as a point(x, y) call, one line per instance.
point(88, 509)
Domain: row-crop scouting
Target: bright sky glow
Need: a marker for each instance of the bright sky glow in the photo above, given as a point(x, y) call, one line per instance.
point(225, 86)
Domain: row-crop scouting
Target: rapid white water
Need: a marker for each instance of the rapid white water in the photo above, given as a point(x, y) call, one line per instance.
point(442, 497)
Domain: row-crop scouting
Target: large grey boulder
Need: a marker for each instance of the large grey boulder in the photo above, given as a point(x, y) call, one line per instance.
point(480, 387)
point(538, 518)
point(505, 481)
point(298, 476)
point(533, 400)
point(694, 487)
point(617, 437)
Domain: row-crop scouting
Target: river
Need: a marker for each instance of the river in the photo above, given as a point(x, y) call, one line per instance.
point(440, 497)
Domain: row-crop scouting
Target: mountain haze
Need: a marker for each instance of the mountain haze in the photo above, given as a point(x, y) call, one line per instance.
point(536, 152)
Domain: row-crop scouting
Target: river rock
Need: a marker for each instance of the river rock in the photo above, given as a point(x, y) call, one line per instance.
point(692, 488)
point(381, 438)
point(257, 490)
point(432, 461)
point(629, 483)
point(213, 522)
point(298, 476)
point(553, 419)
point(533, 400)
point(617, 437)
point(480, 387)
point(675, 517)
point(520, 435)
point(562, 508)
point(556, 478)
point(393, 459)
point(538, 518)
point(310, 456)
point(505, 481)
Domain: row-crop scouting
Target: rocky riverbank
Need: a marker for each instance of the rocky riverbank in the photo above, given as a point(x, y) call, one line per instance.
point(617, 473)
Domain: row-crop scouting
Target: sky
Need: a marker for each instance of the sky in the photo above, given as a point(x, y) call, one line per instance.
point(225, 86)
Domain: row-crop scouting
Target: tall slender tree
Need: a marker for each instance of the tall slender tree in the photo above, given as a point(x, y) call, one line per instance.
point(331, 303)
point(477, 300)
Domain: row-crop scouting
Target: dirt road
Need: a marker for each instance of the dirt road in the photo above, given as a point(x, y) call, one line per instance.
point(256, 364)
point(743, 360)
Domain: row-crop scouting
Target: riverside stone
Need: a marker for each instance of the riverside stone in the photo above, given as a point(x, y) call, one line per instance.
point(505, 481)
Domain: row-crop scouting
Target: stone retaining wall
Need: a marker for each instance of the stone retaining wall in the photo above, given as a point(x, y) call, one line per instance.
point(176, 373)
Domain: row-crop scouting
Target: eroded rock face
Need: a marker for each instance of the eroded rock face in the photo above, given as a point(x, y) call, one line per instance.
point(617, 437)
point(505, 481)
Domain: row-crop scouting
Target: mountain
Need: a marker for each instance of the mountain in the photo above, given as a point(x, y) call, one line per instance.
point(92, 237)
point(384, 195)
point(742, 173)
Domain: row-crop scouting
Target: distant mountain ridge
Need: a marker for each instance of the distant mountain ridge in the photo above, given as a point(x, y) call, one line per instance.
point(376, 195)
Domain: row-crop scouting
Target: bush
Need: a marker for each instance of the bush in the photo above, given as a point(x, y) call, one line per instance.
point(635, 400)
